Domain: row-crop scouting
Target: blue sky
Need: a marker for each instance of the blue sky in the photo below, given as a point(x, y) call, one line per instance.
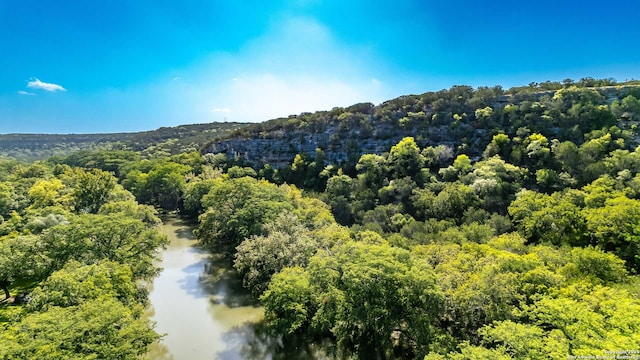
point(112, 66)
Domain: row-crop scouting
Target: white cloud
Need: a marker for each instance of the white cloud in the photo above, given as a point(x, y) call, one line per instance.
point(37, 84)
point(260, 97)
point(176, 78)
point(296, 66)
point(22, 92)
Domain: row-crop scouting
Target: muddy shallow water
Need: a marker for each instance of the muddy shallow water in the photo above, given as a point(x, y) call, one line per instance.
point(198, 303)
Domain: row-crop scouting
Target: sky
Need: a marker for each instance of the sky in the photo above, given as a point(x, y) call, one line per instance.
point(70, 66)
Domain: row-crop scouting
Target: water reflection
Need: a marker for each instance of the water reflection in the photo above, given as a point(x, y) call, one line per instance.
point(224, 284)
point(199, 303)
point(249, 341)
point(252, 341)
point(182, 295)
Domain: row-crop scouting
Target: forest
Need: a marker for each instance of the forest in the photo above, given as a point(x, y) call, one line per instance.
point(519, 238)
point(164, 141)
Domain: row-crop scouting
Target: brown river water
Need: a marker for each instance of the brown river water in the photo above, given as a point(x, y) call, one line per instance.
point(198, 303)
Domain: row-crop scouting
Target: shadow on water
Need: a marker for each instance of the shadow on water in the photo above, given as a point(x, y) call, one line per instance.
point(253, 341)
point(212, 277)
point(224, 283)
point(158, 351)
point(184, 233)
point(248, 341)
point(191, 283)
point(182, 227)
point(199, 303)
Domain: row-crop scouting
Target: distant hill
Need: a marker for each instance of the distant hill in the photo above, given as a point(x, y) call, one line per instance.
point(163, 141)
point(459, 120)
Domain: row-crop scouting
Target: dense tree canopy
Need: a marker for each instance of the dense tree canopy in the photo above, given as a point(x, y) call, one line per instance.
point(78, 243)
point(509, 239)
point(459, 224)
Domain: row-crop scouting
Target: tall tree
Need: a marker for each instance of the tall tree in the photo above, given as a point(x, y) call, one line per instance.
point(92, 189)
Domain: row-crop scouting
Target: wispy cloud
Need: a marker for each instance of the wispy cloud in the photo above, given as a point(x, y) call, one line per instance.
point(37, 84)
point(296, 66)
point(22, 92)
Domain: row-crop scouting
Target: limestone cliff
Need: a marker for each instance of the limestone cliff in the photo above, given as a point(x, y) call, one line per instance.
point(448, 117)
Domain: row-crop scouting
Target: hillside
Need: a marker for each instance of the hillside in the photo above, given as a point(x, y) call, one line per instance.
point(161, 142)
point(462, 118)
point(520, 220)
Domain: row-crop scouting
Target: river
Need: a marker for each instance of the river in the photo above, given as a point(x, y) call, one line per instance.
point(198, 303)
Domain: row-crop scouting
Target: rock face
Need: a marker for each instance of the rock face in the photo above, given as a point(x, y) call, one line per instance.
point(340, 144)
point(279, 148)
point(344, 134)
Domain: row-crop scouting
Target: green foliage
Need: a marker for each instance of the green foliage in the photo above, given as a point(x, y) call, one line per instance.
point(22, 258)
point(81, 270)
point(92, 190)
point(616, 227)
point(37, 224)
point(313, 213)
point(524, 341)
point(548, 218)
point(461, 166)
point(287, 244)
point(98, 329)
point(131, 209)
point(383, 217)
point(238, 172)
point(532, 302)
point(193, 194)
point(7, 199)
point(91, 238)
point(105, 160)
point(238, 209)
point(106, 151)
point(160, 183)
point(429, 263)
point(362, 293)
point(166, 184)
point(496, 182)
point(628, 108)
point(483, 284)
point(498, 146)
point(398, 192)
point(453, 201)
point(288, 300)
point(45, 192)
point(595, 265)
point(469, 352)
point(77, 283)
point(306, 171)
point(338, 191)
point(588, 319)
point(405, 158)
